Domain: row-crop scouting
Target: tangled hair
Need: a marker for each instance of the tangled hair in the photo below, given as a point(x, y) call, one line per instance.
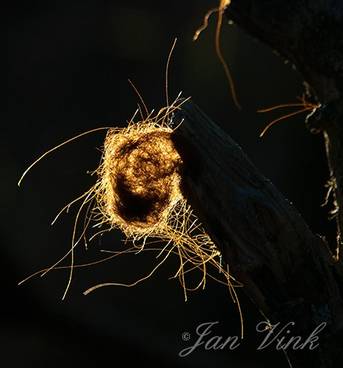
point(139, 177)
point(138, 191)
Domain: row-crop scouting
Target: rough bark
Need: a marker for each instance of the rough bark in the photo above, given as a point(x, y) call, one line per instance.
point(286, 269)
point(308, 33)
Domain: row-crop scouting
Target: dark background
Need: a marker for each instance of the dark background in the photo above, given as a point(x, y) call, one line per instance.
point(68, 69)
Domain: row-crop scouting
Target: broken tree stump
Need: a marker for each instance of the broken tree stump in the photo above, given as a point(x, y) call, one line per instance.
point(286, 269)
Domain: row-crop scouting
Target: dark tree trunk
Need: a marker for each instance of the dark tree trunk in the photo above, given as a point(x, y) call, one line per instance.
point(286, 269)
point(289, 272)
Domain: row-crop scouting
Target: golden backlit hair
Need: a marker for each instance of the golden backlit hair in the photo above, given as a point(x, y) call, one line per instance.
point(137, 190)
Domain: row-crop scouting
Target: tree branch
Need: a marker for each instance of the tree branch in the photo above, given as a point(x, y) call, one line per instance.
point(285, 268)
point(288, 271)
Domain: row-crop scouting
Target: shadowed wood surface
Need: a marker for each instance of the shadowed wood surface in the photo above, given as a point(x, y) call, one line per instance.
point(285, 268)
